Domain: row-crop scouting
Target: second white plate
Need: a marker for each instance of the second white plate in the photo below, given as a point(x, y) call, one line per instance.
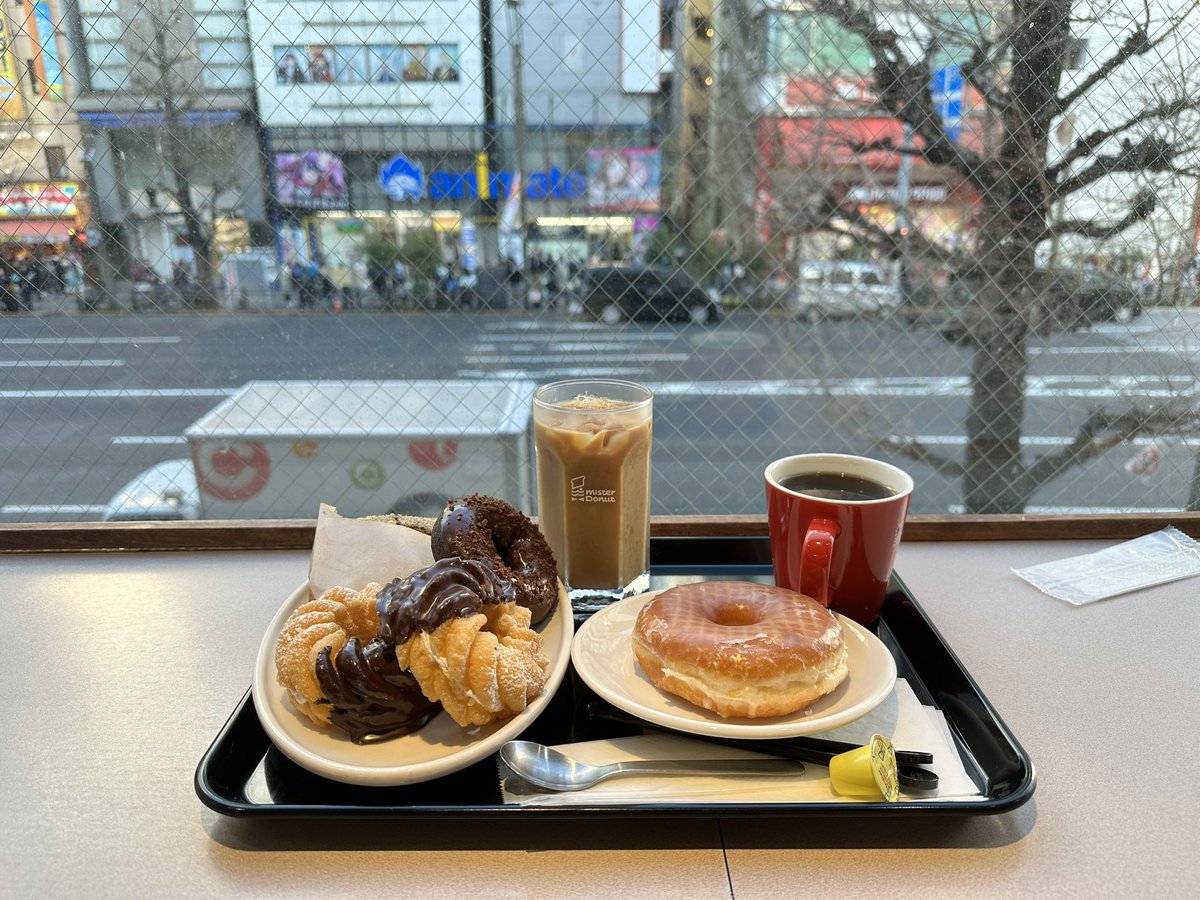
point(602, 653)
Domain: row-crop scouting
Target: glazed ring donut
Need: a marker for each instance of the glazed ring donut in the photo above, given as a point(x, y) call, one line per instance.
point(739, 648)
point(491, 531)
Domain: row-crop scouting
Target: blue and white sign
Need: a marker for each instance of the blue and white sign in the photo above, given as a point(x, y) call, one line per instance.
point(402, 178)
point(470, 249)
point(946, 89)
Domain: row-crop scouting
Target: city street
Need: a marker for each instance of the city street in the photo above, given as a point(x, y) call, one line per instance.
point(88, 402)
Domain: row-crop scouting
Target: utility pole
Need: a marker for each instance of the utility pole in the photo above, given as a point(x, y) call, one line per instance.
point(491, 137)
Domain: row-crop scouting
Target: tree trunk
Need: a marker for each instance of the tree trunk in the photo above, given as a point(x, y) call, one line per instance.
point(1015, 212)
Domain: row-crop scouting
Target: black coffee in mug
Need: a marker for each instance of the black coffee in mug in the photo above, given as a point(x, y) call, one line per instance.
point(838, 486)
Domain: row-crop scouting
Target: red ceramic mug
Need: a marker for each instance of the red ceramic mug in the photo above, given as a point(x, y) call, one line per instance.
point(835, 522)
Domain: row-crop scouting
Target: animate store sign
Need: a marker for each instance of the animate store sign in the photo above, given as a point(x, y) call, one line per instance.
point(405, 179)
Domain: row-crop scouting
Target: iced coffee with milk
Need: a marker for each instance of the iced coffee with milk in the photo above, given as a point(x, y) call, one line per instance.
point(593, 439)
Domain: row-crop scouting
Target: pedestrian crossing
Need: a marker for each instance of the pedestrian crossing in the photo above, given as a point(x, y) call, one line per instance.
point(541, 351)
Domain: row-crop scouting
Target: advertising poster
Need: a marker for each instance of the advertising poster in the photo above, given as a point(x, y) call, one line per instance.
point(291, 65)
point(313, 179)
point(387, 64)
point(51, 63)
point(320, 64)
point(10, 97)
point(624, 180)
point(350, 65)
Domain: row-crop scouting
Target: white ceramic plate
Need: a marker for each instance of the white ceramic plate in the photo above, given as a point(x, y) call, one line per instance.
point(603, 657)
point(438, 749)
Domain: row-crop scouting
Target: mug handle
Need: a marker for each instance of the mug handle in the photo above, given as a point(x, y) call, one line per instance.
point(815, 557)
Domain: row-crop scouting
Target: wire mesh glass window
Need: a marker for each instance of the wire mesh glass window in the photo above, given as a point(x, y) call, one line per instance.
point(256, 256)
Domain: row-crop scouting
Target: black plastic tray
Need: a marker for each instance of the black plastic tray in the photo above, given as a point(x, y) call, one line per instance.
point(243, 774)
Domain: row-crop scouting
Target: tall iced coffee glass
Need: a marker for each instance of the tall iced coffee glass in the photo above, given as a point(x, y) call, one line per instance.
point(592, 438)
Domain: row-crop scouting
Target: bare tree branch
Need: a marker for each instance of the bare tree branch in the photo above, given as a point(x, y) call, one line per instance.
point(1152, 153)
point(1086, 145)
point(1143, 205)
point(921, 453)
point(1100, 432)
point(1137, 43)
point(903, 89)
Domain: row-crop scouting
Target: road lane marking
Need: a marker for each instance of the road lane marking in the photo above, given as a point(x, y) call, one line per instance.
point(550, 359)
point(555, 346)
point(50, 509)
point(1041, 386)
point(1046, 440)
point(530, 325)
point(59, 341)
point(543, 374)
point(959, 509)
point(61, 363)
point(925, 386)
point(117, 393)
point(138, 440)
point(1185, 347)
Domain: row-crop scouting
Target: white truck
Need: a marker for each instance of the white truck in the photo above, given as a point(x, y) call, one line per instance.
point(278, 449)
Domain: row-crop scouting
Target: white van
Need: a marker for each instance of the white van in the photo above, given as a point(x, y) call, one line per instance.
point(834, 289)
point(278, 449)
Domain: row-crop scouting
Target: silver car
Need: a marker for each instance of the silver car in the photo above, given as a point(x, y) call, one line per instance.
point(842, 289)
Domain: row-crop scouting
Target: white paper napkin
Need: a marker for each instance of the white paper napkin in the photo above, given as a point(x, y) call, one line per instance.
point(351, 553)
point(901, 717)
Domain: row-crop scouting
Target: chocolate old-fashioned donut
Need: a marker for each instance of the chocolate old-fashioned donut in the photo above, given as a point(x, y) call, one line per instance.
point(490, 530)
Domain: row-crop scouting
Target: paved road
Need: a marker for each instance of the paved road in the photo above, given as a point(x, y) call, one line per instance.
point(87, 402)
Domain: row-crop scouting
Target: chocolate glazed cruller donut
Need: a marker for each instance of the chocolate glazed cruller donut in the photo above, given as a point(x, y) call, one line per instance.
point(490, 530)
point(376, 662)
point(466, 645)
point(334, 679)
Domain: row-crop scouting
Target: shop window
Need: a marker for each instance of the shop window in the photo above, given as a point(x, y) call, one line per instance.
point(798, 42)
point(56, 162)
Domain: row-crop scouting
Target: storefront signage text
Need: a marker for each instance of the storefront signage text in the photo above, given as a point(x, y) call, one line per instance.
point(551, 185)
point(55, 198)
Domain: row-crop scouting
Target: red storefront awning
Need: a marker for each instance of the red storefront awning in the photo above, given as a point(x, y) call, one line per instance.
point(812, 142)
point(36, 231)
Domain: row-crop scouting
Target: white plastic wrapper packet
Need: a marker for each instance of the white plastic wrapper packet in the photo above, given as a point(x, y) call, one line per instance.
point(1157, 558)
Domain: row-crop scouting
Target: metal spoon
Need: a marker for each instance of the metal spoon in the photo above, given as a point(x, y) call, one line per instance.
point(547, 768)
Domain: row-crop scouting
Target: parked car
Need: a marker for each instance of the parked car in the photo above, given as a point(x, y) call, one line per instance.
point(839, 289)
point(614, 294)
point(1065, 300)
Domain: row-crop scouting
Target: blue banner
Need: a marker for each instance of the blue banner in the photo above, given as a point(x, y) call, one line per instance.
point(51, 64)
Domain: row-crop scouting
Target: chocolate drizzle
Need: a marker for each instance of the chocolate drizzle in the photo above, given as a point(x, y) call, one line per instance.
point(372, 697)
point(427, 598)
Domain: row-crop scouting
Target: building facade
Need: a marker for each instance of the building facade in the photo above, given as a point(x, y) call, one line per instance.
point(173, 149)
point(42, 200)
point(384, 116)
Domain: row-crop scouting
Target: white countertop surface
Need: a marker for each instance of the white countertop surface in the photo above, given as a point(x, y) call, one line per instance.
point(122, 667)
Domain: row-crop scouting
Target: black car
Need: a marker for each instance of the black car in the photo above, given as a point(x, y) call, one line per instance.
point(614, 294)
point(1065, 300)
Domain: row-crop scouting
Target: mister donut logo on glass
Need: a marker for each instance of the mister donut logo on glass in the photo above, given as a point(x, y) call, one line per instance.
point(584, 494)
